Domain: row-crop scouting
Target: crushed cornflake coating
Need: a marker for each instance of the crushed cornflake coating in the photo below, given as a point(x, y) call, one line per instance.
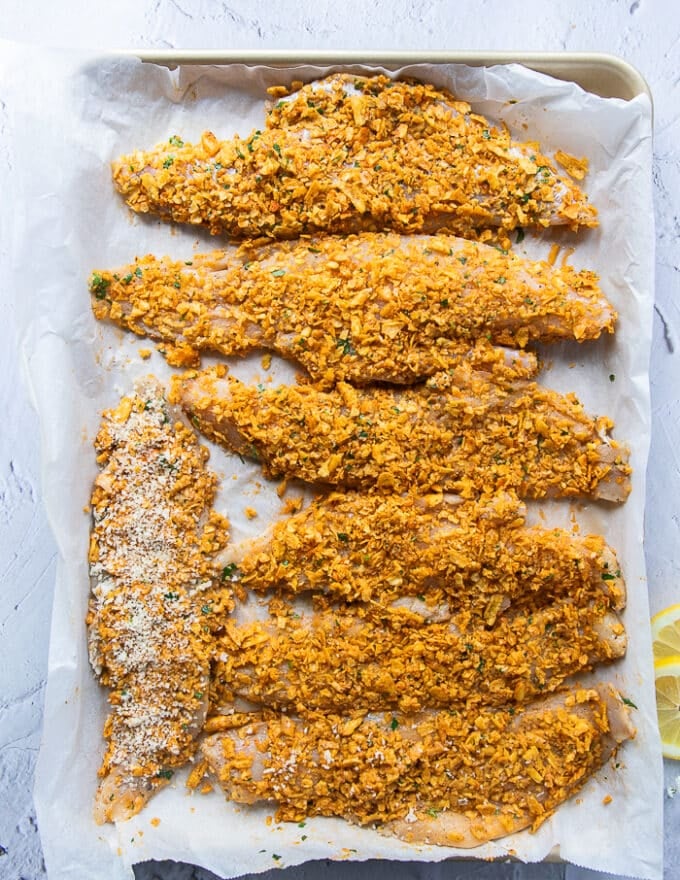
point(461, 431)
point(446, 778)
point(347, 657)
point(153, 595)
point(371, 307)
point(422, 554)
point(352, 153)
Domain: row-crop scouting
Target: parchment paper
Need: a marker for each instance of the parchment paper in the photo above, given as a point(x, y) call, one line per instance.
point(70, 116)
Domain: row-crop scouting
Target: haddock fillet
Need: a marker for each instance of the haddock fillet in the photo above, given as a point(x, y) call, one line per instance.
point(355, 153)
point(433, 778)
point(300, 658)
point(148, 641)
point(366, 308)
point(424, 554)
point(460, 431)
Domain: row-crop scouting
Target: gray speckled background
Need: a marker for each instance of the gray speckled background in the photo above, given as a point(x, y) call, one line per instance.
point(644, 32)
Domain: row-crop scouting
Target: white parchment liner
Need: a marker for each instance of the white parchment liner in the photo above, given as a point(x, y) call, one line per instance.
point(70, 115)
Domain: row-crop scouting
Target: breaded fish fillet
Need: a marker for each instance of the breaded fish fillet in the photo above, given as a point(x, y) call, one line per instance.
point(150, 583)
point(436, 777)
point(353, 153)
point(423, 554)
point(460, 432)
point(370, 307)
point(346, 657)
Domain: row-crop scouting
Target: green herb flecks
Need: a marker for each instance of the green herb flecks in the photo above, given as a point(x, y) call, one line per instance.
point(345, 345)
point(99, 285)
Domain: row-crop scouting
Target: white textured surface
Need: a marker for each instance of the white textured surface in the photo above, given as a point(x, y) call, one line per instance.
point(645, 32)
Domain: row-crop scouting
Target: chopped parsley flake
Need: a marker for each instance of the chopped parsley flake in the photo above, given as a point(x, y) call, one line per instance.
point(345, 345)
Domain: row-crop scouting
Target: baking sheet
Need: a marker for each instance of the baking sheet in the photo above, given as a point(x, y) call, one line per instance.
point(70, 116)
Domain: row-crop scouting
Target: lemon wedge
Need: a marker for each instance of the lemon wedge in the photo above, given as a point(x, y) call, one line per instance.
point(666, 633)
point(667, 673)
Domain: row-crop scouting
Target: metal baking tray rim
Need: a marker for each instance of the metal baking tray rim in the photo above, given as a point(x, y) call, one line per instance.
point(608, 76)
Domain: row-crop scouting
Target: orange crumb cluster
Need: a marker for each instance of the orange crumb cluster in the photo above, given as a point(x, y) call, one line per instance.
point(372, 307)
point(153, 595)
point(459, 431)
point(352, 153)
point(436, 777)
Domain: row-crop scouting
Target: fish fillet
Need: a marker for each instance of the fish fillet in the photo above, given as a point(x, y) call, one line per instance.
point(460, 432)
point(150, 585)
point(422, 553)
point(350, 154)
point(371, 307)
point(436, 777)
point(340, 658)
